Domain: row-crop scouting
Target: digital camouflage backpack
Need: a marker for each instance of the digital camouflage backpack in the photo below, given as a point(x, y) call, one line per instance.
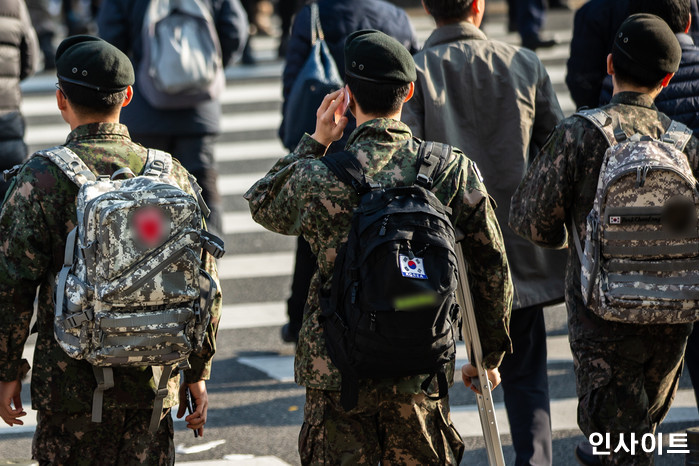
point(641, 253)
point(132, 290)
point(392, 310)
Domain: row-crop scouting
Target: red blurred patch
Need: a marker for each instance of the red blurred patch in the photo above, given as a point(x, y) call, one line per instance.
point(151, 226)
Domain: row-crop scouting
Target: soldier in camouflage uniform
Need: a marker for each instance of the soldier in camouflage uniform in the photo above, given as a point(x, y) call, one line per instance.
point(626, 374)
point(94, 82)
point(393, 422)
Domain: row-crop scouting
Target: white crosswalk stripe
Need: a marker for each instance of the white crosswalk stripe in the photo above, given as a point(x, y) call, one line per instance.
point(260, 86)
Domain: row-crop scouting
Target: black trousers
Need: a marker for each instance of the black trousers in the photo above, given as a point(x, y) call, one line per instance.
point(526, 389)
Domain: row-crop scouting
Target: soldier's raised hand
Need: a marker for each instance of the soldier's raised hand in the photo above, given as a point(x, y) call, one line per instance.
point(327, 130)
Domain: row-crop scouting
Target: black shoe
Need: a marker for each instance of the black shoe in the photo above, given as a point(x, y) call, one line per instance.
point(584, 455)
point(289, 336)
point(535, 42)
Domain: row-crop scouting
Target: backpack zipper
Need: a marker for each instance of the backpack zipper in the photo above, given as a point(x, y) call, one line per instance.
point(382, 231)
point(642, 172)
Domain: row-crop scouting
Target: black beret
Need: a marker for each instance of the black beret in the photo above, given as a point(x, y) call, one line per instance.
point(373, 56)
point(93, 63)
point(645, 44)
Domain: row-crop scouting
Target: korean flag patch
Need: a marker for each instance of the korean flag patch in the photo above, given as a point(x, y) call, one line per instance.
point(412, 268)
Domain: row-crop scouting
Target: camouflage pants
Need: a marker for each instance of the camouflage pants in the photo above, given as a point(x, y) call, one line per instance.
point(384, 427)
point(122, 438)
point(626, 386)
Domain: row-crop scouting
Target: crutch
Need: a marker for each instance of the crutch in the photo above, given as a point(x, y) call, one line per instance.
point(469, 330)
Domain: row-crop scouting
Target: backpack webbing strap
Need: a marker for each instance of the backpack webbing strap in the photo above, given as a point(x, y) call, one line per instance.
point(63, 274)
point(161, 375)
point(442, 384)
point(158, 163)
point(349, 390)
point(69, 163)
point(105, 381)
point(205, 211)
point(603, 122)
point(432, 157)
point(677, 134)
point(348, 169)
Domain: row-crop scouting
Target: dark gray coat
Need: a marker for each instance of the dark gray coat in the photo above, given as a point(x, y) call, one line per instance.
point(495, 102)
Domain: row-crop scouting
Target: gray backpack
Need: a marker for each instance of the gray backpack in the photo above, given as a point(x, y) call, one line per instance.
point(132, 291)
point(640, 262)
point(181, 64)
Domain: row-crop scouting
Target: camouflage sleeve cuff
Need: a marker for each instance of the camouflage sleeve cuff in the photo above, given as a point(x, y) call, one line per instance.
point(493, 360)
point(15, 371)
point(309, 146)
point(200, 369)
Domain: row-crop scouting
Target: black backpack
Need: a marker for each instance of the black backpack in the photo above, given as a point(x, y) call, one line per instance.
point(392, 310)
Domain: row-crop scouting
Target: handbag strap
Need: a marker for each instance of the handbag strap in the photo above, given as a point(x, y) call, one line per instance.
point(316, 29)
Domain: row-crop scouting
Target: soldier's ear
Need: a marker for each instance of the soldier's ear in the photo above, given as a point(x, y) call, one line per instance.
point(610, 65)
point(410, 92)
point(129, 96)
point(666, 79)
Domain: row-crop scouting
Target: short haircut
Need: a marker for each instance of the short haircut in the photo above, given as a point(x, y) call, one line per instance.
point(378, 99)
point(674, 12)
point(445, 10)
point(90, 101)
point(650, 80)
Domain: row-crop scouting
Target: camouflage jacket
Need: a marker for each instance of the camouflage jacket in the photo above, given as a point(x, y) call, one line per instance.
point(562, 181)
point(35, 219)
point(300, 196)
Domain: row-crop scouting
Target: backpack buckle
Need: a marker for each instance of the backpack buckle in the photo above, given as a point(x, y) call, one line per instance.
point(212, 244)
point(77, 319)
point(10, 172)
point(424, 180)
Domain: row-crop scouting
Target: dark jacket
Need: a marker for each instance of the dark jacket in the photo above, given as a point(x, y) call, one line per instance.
point(680, 99)
point(499, 108)
point(120, 23)
point(593, 34)
point(338, 19)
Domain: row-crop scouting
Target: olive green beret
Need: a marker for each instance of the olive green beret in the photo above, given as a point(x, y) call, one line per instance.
point(645, 44)
point(93, 63)
point(376, 57)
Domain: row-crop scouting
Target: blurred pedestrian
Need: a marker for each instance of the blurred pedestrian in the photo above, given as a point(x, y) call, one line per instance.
point(527, 18)
point(20, 54)
point(466, 84)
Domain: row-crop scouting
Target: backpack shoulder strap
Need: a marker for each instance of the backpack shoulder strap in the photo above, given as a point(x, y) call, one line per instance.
point(432, 158)
point(158, 163)
point(69, 163)
point(316, 29)
point(677, 134)
point(604, 123)
point(348, 169)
